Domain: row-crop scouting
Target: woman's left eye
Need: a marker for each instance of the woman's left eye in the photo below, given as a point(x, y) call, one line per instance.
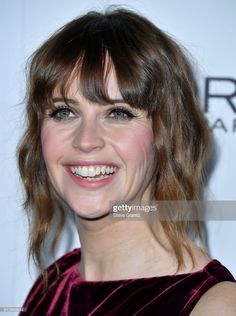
point(62, 113)
point(121, 114)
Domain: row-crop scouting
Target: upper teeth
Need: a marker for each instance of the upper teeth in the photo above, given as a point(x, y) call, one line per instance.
point(92, 171)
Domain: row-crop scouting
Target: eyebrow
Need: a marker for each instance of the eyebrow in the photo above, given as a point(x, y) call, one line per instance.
point(74, 102)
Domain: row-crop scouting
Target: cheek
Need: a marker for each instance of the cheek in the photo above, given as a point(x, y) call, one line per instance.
point(136, 144)
point(50, 142)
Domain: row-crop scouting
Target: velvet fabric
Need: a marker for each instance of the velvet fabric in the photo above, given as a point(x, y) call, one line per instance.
point(70, 295)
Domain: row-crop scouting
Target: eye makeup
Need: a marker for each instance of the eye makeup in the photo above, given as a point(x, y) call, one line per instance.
point(62, 112)
point(66, 109)
point(120, 113)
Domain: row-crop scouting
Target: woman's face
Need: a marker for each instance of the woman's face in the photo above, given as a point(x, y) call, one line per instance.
point(97, 154)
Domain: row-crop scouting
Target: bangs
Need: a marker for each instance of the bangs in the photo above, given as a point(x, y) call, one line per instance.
point(88, 48)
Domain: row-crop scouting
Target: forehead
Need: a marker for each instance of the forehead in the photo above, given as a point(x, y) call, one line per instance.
point(74, 84)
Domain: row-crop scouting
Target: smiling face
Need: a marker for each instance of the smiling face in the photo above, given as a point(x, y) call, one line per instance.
point(96, 154)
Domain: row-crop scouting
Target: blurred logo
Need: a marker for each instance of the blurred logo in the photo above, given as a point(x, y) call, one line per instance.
point(220, 103)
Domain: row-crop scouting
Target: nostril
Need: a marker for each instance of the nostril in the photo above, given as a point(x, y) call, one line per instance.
point(87, 139)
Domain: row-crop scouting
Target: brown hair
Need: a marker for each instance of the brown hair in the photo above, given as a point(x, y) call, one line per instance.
point(153, 74)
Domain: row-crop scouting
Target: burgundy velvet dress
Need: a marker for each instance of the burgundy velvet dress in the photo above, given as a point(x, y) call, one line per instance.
point(70, 295)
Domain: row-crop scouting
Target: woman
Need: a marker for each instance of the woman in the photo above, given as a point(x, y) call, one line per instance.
point(113, 116)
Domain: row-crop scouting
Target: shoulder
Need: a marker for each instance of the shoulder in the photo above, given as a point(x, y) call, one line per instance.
point(218, 300)
point(55, 274)
point(63, 265)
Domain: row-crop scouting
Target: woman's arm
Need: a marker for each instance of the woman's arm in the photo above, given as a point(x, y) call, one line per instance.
point(219, 300)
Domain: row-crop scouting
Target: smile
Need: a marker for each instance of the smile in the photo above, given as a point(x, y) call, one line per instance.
point(93, 173)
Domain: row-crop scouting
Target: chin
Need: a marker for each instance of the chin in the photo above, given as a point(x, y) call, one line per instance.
point(91, 213)
point(92, 217)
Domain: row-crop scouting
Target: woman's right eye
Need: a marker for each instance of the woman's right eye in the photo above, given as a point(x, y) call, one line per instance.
point(62, 113)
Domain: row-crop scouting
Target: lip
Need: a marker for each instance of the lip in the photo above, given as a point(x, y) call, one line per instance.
point(83, 183)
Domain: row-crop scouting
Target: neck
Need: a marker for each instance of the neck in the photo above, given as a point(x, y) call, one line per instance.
point(118, 249)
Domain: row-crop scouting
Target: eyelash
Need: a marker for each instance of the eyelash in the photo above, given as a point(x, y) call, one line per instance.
point(126, 114)
point(59, 109)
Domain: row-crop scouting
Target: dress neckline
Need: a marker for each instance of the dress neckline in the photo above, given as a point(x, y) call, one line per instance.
point(142, 279)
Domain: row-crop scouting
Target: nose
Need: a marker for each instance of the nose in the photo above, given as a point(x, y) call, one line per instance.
point(88, 137)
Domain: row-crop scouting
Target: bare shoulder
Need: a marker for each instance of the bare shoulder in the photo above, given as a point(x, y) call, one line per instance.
point(218, 300)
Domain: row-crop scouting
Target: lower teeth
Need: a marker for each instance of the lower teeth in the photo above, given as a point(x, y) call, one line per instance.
point(99, 178)
point(95, 179)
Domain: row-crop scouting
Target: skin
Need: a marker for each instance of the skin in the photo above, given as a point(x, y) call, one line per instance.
point(218, 300)
point(114, 249)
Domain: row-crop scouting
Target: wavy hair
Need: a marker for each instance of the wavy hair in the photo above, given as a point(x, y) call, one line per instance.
point(153, 74)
